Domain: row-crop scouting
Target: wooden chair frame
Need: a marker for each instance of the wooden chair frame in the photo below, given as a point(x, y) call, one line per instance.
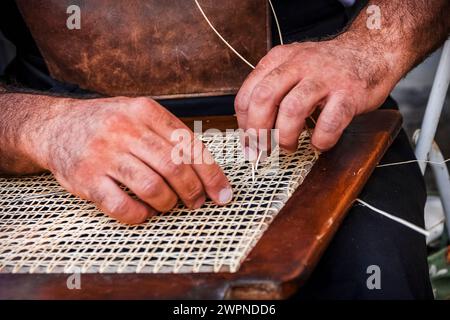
point(283, 258)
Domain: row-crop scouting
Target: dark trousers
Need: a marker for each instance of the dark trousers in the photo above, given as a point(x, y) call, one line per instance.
point(366, 238)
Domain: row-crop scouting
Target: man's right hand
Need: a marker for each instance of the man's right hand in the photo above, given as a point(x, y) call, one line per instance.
point(93, 146)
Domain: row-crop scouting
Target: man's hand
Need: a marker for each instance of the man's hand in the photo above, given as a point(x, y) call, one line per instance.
point(343, 77)
point(93, 146)
point(293, 80)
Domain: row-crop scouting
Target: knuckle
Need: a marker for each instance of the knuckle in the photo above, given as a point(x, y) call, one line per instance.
point(146, 108)
point(309, 86)
point(277, 72)
point(152, 143)
point(112, 120)
point(150, 187)
point(119, 207)
point(81, 170)
point(291, 106)
point(240, 109)
point(216, 177)
point(143, 103)
point(262, 93)
point(171, 167)
point(240, 105)
point(162, 118)
point(277, 50)
point(264, 63)
point(126, 171)
point(194, 192)
point(347, 110)
point(116, 206)
point(97, 197)
point(331, 123)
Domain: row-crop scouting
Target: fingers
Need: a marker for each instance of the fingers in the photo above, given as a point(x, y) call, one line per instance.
point(335, 117)
point(196, 157)
point(116, 203)
point(296, 106)
point(128, 141)
point(268, 94)
point(156, 153)
point(145, 183)
point(215, 182)
point(242, 103)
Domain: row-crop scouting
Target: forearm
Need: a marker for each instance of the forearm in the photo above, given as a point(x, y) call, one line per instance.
point(409, 31)
point(23, 117)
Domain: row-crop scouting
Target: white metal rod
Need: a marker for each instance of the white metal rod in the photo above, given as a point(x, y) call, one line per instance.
point(442, 179)
point(434, 107)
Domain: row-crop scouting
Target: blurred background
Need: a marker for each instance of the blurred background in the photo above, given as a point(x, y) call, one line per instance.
point(412, 95)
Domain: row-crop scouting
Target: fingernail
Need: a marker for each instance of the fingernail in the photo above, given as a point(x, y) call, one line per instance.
point(199, 203)
point(225, 195)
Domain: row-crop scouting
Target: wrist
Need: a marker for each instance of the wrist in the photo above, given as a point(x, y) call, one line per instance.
point(40, 131)
point(380, 67)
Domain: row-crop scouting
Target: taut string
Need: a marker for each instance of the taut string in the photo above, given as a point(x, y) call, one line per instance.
point(227, 43)
point(412, 161)
point(394, 218)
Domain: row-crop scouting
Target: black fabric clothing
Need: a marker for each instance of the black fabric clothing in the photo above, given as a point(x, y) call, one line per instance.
point(8, 53)
point(365, 237)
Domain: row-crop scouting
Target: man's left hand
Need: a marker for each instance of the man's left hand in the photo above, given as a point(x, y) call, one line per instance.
point(291, 81)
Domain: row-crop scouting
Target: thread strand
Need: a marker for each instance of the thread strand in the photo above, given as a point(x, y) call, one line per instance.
point(275, 16)
point(222, 38)
point(227, 43)
point(412, 161)
point(396, 219)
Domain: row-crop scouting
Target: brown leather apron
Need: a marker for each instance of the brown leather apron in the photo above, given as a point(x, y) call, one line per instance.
point(158, 48)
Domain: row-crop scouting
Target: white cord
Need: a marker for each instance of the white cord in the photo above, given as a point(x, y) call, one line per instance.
point(257, 160)
point(255, 165)
point(227, 43)
point(412, 161)
point(406, 223)
point(396, 219)
point(276, 22)
point(222, 38)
